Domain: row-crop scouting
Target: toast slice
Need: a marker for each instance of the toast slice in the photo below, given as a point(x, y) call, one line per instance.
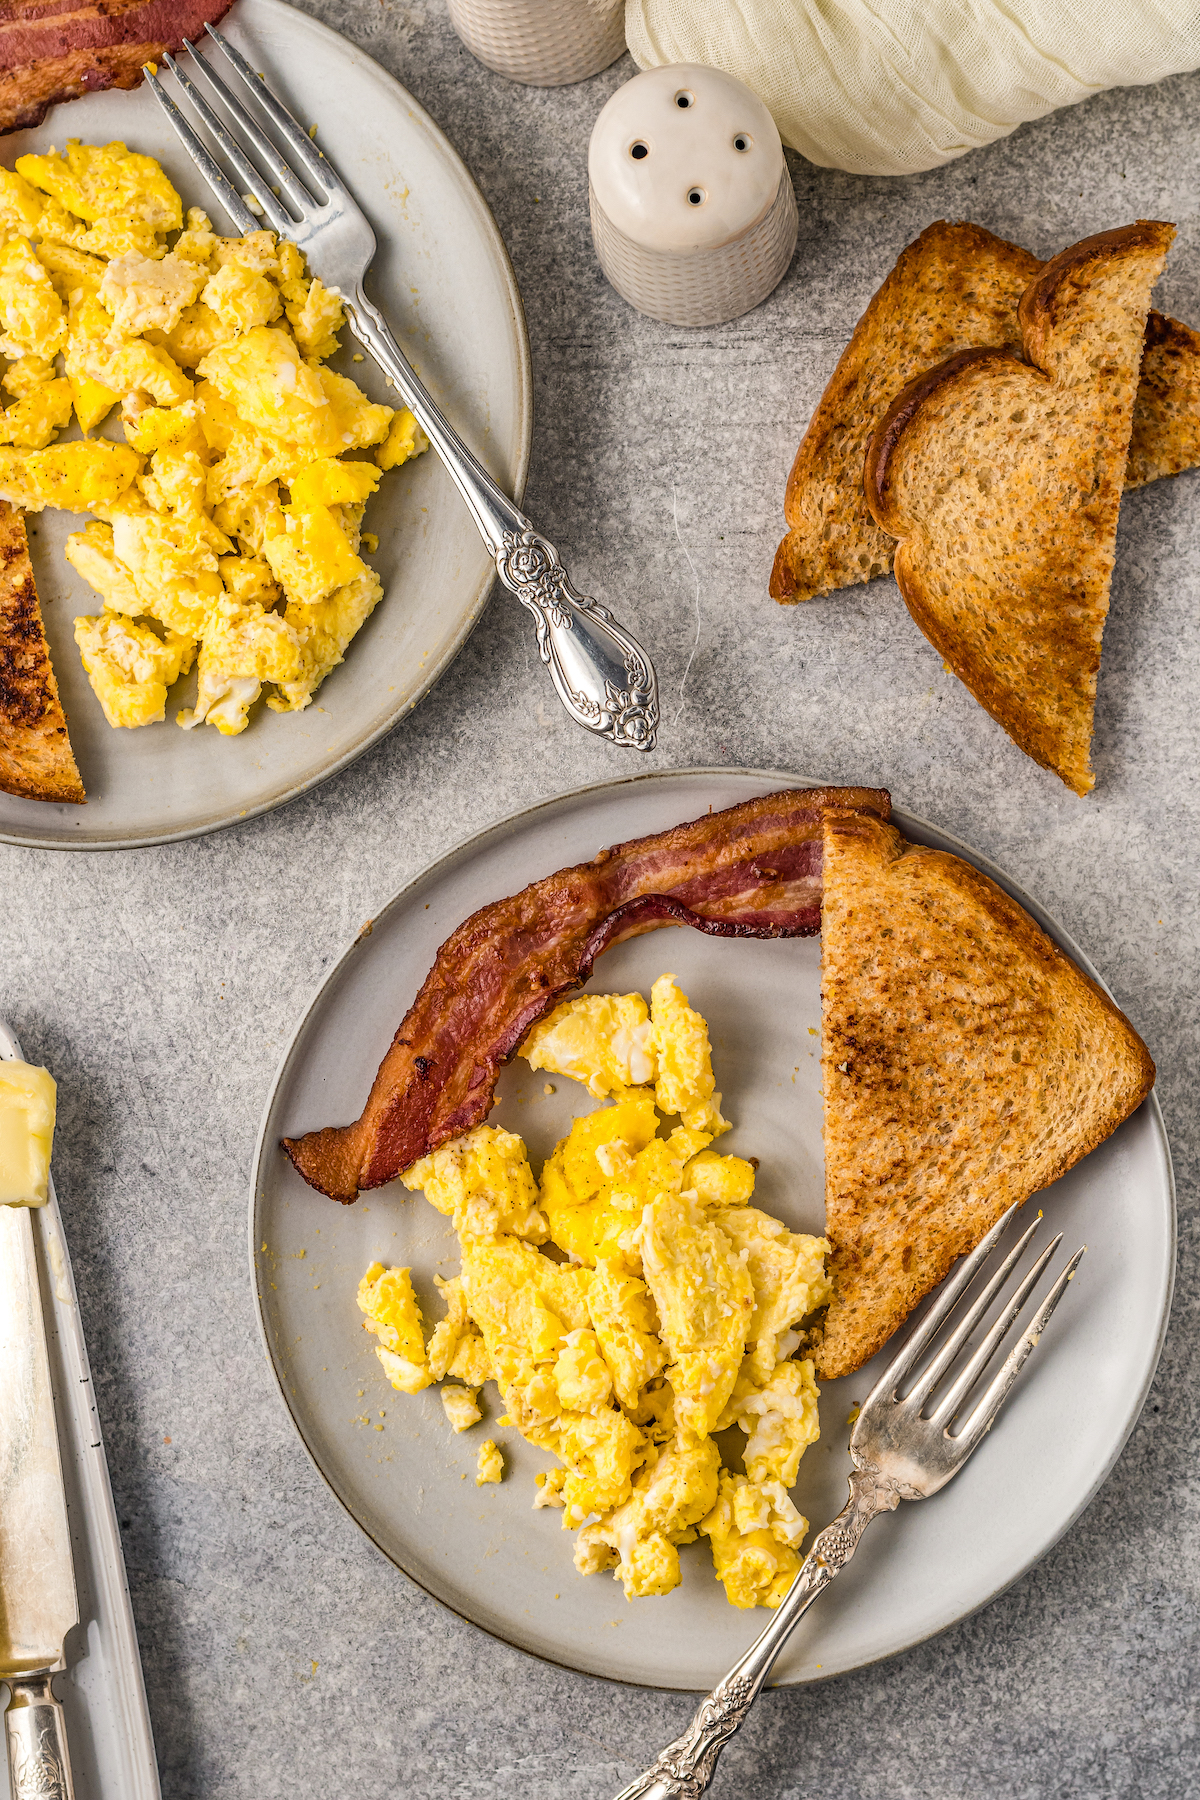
point(955, 287)
point(1002, 477)
point(35, 752)
point(1166, 413)
point(966, 1062)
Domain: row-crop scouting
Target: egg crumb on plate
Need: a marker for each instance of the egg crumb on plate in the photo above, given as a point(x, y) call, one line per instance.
point(489, 1465)
point(630, 1305)
point(460, 1407)
point(226, 528)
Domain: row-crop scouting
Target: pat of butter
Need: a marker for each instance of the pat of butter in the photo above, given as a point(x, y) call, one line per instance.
point(26, 1133)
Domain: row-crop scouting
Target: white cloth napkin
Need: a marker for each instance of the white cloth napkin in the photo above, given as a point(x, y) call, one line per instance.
point(885, 87)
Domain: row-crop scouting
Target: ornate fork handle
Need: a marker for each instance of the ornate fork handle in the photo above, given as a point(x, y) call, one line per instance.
point(602, 675)
point(686, 1767)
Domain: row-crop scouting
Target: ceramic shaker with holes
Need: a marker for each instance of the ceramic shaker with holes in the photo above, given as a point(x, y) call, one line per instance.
point(693, 213)
point(545, 43)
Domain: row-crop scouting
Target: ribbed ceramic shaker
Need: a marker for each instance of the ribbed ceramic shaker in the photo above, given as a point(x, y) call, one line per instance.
point(693, 214)
point(546, 43)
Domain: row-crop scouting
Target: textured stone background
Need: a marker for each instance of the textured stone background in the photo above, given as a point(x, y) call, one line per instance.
point(160, 985)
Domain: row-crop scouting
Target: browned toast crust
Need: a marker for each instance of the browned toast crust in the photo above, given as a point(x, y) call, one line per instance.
point(1001, 475)
point(955, 287)
point(1166, 416)
point(1049, 300)
point(35, 751)
point(967, 1063)
point(895, 422)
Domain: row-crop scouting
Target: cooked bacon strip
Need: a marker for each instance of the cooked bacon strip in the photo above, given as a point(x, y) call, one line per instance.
point(53, 50)
point(751, 871)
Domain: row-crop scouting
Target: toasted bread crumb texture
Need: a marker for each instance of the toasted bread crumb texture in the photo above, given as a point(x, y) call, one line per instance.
point(35, 753)
point(1166, 414)
point(956, 287)
point(1002, 478)
point(966, 1062)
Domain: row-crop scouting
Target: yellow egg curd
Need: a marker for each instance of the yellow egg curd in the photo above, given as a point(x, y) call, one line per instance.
point(630, 1305)
point(226, 526)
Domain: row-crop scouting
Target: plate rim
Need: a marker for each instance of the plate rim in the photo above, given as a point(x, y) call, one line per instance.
point(462, 851)
point(472, 614)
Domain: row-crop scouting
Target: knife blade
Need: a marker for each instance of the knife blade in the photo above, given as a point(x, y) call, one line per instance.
point(38, 1603)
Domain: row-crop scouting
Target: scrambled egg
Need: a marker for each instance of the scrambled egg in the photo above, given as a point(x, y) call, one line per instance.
point(702, 1291)
point(676, 1314)
point(483, 1182)
point(602, 1040)
point(387, 1298)
point(460, 1408)
point(226, 527)
point(612, 1042)
point(489, 1464)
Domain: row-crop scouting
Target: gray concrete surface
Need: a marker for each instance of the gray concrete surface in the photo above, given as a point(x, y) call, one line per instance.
point(284, 1657)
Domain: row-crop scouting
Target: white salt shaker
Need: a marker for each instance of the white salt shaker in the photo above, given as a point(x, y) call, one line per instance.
point(546, 43)
point(693, 214)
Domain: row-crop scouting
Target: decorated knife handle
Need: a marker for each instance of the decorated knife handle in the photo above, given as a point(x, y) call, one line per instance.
point(39, 1766)
point(686, 1767)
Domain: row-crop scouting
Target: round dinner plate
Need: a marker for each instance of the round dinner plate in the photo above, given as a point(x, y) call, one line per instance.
point(390, 1458)
point(443, 279)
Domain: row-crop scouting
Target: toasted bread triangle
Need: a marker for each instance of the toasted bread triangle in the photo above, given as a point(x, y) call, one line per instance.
point(35, 752)
point(1001, 475)
point(956, 286)
point(967, 1063)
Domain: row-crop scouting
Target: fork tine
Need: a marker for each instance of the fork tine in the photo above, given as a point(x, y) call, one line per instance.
point(946, 1300)
point(963, 1328)
point(296, 192)
point(962, 1384)
point(273, 213)
point(239, 213)
point(984, 1415)
point(293, 134)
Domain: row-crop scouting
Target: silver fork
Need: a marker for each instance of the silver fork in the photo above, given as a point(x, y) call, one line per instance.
point(603, 677)
point(903, 1449)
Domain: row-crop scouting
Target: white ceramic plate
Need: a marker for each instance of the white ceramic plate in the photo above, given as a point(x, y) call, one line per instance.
point(485, 1552)
point(444, 280)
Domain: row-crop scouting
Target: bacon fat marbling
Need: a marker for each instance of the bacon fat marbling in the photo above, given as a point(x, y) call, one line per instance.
point(53, 50)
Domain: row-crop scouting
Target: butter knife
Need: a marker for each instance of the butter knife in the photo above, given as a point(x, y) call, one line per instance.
point(38, 1603)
